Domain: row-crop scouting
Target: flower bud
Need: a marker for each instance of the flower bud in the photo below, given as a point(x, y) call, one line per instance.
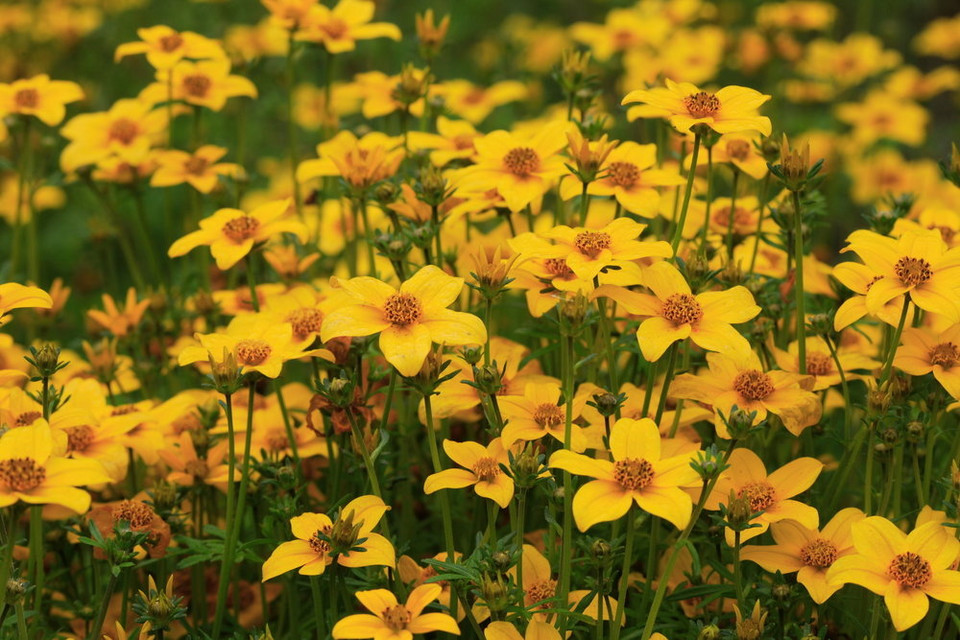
point(600, 549)
point(709, 632)
point(739, 512)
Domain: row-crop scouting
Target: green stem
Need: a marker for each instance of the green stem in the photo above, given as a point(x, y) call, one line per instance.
point(894, 343)
point(584, 205)
point(95, 630)
point(518, 531)
point(733, 211)
point(737, 569)
point(226, 560)
point(667, 379)
point(318, 611)
point(678, 232)
point(567, 546)
point(287, 424)
point(291, 125)
point(367, 463)
point(6, 564)
point(21, 623)
point(798, 284)
point(252, 283)
point(868, 477)
point(443, 497)
point(624, 576)
point(36, 557)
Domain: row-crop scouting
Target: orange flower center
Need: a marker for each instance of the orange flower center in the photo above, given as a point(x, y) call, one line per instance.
point(591, 243)
point(197, 85)
point(196, 165)
point(402, 309)
point(26, 418)
point(633, 473)
point(760, 495)
point(945, 354)
point(241, 228)
point(738, 149)
point(819, 364)
point(197, 468)
point(623, 174)
point(252, 352)
point(171, 42)
point(27, 98)
point(21, 474)
point(819, 553)
point(462, 142)
point(558, 267)
point(753, 385)
point(912, 271)
point(682, 308)
point(336, 28)
point(521, 161)
point(79, 437)
point(741, 217)
point(486, 468)
point(123, 130)
point(305, 321)
point(396, 617)
point(548, 415)
point(541, 590)
point(320, 546)
point(137, 513)
point(276, 440)
point(910, 570)
point(702, 104)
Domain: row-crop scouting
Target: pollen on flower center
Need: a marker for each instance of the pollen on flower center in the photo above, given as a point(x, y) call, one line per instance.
point(336, 28)
point(26, 98)
point(26, 418)
point(912, 271)
point(910, 570)
point(402, 309)
point(702, 104)
point(123, 130)
point(558, 267)
point(241, 228)
point(738, 149)
point(741, 217)
point(633, 473)
point(462, 142)
point(252, 352)
point(542, 590)
point(197, 85)
point(320, 546)
point(623, 174)
point(521, 161)
point(79, 437)
point(486, 468)
point(591, 243)
point(682, 308)
point(753, 385)
point(819, 364)
point(171, 42)
point(548, 415)
point(760, 495)
point(196, 165)
point(945, 354)
point(396, 617)
point(819, 553)
point(137, 513)
point(21, 474)
point(305, 321)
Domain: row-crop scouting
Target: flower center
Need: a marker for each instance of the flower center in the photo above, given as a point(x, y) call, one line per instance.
point(396, 617)
point(21, 474)
point(305, 321)
point(548, 415)
point(910, 570)
point(945, 354)
point(682, 308)
point(171, 42)
point(336, 28)
point(760, 495)
point(123, 130)
point(26, 98)
point(241, 228)
point(542, 590)
point(819, 553)
point(633, 473)
point(197, 468)
point(276, 440)
point(138, 514)
point(912, 271)
point(197, 85)
point(819, 364)
point(79, 438)
point(591, 243)
point(623, 174)
point(753, 385)
point(738, 149)
point(26, 418)
point(486, 469)
point(402, 309)
point(702, 104)
point(463, 142)
point(558, 267)
point(741, 217)
point(252, 352)
point(521, 161)
point(196, 165)
point(320, 546)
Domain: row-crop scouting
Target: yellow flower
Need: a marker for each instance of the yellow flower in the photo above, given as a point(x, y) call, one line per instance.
point(409, 320)
point(165, 47)
point(392, 620)
point(350, 541)
point(120, 323)
point(413, 575)
point(747, 478)
point(289, 14)
point(637, 473)
point(382, 94)
point(797, 15)
point(905, 569)
point(232, 233)
point(623, 30)
point(882, 116)
point(362, 162)
point(939, 38)
point(732, 109)
point(199, 169)
point(453, 141)
point(736, 378)
point(473, 103)
point(673, 313)
point(481, 471)
point(537, 413)
point(17, 296)
point(189, 469)
point(39, 96)
point(847, 63)
point(32, 472)
point(536, 630)
point(126, 131)
point(338, 29)
point(33, 199)
point(206, 83)
point(820, 364)
point(808, 552)
point(520, 168)
point(922, 351)
point(288, 264)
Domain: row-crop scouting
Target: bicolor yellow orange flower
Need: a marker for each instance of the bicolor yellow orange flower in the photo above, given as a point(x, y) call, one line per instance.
point(409, 319)
point(362, 162)
point(126, 131)
point(40, 97)
point(537, 413)
point(120, 323)
point(200, 169)
point(165, 47)
point(481, 470)
point(206, 83)
point(392, 620)
point(906, 569)
point(808, 552)
point(349, 541)
point(637, 474)
point(339, 28)
point(922, 351)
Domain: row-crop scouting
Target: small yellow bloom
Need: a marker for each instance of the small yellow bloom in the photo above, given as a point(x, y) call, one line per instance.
point(199, 169)
point(537, 413)
point(922, 351)
point(126, 132)
point(120, 323)
point(165, 47)
point(206, 83)
point(481, 470)
point(39, 96)
point(392, 620)
point(17, 296)
point(338, 29)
